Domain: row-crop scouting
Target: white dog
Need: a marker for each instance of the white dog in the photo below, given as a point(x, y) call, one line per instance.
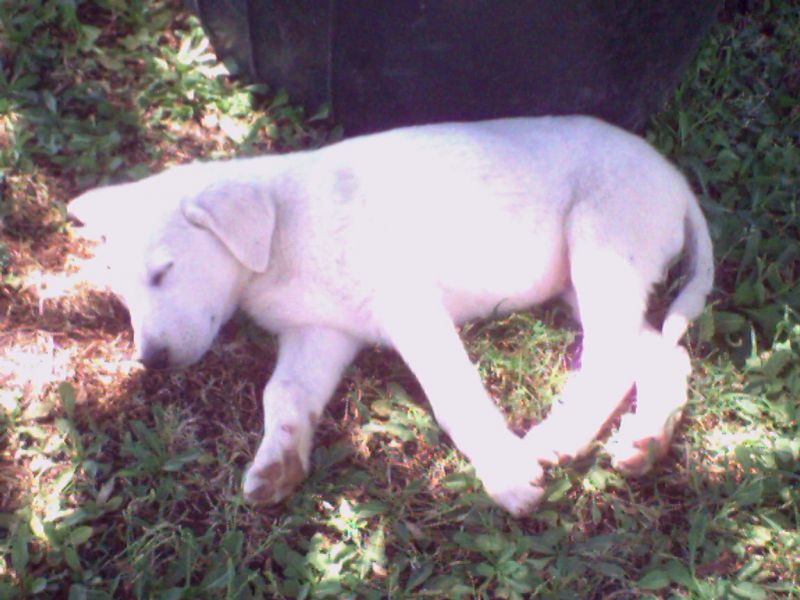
point(394, 238)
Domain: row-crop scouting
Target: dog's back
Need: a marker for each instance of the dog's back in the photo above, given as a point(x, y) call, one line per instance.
point(484, 210)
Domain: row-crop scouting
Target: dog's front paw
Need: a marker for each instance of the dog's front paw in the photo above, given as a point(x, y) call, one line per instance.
point(272, 482)
point(518, 493)
point(281, 463)
point(519, 500)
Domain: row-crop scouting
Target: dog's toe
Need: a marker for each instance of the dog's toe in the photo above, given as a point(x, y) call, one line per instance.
point(638, 457)
point(271, 483)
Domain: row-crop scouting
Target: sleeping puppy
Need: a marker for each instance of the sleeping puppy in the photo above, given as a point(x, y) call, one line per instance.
point(396, 238)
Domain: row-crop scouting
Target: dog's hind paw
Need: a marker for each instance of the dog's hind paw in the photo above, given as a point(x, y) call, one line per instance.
point(635, 458)
point(271, 483)
point(518, 495)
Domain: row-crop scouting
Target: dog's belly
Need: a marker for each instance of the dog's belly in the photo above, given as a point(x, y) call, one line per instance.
point(464, 306)
point(508, 275)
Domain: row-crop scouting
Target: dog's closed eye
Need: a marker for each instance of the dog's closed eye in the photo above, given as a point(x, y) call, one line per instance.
point(157, 277)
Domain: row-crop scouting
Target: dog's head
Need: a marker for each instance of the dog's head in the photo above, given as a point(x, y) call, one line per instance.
point(180, 247)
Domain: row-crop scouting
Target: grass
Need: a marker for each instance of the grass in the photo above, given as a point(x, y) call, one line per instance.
point(117, 483)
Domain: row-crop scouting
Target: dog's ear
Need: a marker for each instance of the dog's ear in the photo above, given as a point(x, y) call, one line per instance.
point(241, 215)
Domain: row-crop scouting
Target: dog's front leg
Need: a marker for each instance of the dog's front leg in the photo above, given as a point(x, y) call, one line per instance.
point(310, 363)
point(423, 333)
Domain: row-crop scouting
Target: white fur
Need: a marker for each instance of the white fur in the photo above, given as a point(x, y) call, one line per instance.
point(394, 238)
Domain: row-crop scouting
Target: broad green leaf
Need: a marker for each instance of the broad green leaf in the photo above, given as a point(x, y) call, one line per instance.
point(678, 573)
point(19, 550)
point(382, 407)
point(401, 431)
point(78, 592)
point(698, 523)
point(777, 361)
point(177, 463)
point(749, 590)
point(485, 570)
point(656, 579)
point(490, 544)
point(608, 569)
point(369, 509)
point(72, 559)
point(8, 591)
point(748, 494)
point(419, 576)
point(67, 394)
point(727, 322)
point(220, 575)
point(80, 535)
point(458, 482)
point(557, 490)
point(38, 585)
point(175, 593)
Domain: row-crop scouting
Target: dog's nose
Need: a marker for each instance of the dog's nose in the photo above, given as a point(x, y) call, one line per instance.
point(155, 357)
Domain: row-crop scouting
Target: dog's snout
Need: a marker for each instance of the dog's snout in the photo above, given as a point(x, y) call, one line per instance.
point(156, 357)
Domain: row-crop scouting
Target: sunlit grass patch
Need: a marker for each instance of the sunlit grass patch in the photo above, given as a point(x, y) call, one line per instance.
point(524, 360)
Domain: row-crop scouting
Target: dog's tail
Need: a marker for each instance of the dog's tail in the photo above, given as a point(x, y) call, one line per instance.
point(699, 258)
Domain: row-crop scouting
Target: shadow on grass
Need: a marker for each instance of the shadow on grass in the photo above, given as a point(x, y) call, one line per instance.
point(142, 490)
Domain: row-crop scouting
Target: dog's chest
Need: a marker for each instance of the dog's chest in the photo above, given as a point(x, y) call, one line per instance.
point(302, 301)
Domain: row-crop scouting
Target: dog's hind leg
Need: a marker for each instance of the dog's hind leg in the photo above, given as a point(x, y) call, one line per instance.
point(662, 369)
point(311, 361)
point(610, 290)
